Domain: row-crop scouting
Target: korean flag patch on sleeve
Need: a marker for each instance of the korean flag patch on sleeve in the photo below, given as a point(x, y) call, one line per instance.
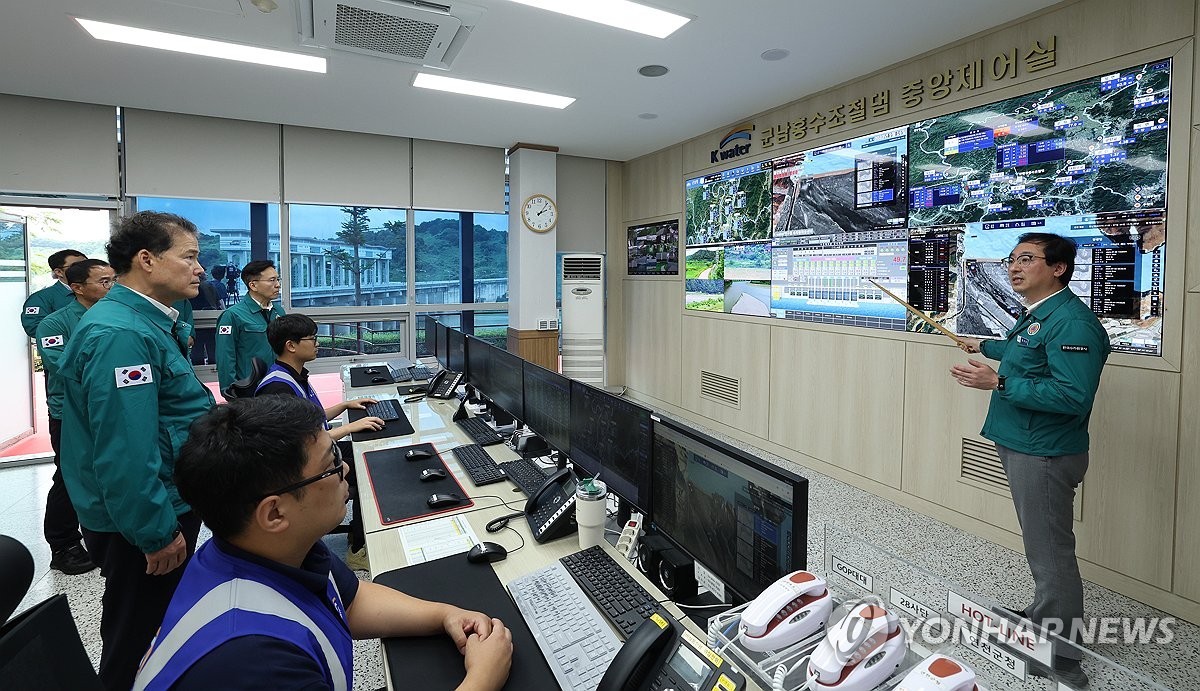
point(225, 330)
point(135, 375)
point(33, 310)
point(52, 341)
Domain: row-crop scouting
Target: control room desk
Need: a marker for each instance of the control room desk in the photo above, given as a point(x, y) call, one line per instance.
point(432, 423)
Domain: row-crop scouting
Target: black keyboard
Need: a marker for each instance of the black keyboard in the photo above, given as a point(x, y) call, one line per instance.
point(479, 431)
point(386, 410)
point(479, 465)
point(400, 374)
point(419, 372)
point(526, 474)
point(621, 599)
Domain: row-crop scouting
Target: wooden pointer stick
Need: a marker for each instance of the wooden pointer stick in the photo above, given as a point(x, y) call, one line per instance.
point(919, 313)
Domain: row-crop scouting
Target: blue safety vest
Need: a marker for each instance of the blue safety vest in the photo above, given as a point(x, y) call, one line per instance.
point(222, 597)
point(277, 373)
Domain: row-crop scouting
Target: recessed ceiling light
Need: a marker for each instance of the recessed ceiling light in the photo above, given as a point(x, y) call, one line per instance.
point(619, 13)
point(504, 93)
point(652, 70)
point(179, 43)
point(774, 54)
point(648, 116)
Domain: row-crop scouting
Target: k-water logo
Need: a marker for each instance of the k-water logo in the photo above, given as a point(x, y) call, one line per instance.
point(724, 151)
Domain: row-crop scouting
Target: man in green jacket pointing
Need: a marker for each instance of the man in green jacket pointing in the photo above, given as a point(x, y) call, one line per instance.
point(1042, 397)
point(130, 397)
point(242, 329)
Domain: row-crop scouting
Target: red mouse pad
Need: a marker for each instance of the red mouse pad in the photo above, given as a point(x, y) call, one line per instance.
point(395, 481)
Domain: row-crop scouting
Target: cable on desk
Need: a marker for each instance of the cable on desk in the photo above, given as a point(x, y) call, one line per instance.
point(519, 537)
point(497, 524)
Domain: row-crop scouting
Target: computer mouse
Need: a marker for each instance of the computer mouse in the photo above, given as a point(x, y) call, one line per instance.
point(431, 474)
point(438, 501)
point(372, 370)
point(939, 673)
point(378, 380)
point(487, 552)
point(788, 611)
point(416, 454)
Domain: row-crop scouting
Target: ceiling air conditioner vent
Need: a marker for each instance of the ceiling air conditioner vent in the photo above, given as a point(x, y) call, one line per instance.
point(422, 33)
point(721, 389)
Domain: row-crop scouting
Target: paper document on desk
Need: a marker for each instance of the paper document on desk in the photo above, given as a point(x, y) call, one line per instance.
point(435, 539)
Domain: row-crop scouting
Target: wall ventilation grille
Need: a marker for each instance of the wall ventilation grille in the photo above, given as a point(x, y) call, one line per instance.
point(981, 466)
point(721, 389)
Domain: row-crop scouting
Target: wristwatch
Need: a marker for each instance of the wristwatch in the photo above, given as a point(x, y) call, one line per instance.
point(1000, 382)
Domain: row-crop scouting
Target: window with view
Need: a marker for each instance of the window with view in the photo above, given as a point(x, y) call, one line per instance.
point(347, 256)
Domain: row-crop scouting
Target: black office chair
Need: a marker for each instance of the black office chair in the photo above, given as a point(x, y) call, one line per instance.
point(244, 388)
point(16, 575)
point(40, 649)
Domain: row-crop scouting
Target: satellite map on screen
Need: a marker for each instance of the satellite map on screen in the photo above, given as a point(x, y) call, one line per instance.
point(1092, 146)
point(730, 206)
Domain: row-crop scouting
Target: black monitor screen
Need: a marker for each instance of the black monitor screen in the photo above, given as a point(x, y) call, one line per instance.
point(548, 405)
point(456, 358)
point(477, 367)
point(505, 385)
point(440, 343)
point(743, 518)
point(612, 435)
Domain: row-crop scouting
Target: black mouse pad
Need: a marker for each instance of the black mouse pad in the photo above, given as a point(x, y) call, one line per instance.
point(360, 377)
point(396, 484)
point(393, 428)
point(433, 662)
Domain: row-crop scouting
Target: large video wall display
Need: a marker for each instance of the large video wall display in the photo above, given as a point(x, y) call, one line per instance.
point(928, 212)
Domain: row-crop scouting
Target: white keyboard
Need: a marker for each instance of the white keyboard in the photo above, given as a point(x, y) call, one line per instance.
point(574, 638)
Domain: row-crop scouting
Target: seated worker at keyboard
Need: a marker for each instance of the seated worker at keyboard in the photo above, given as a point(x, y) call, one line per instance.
point(293, 337)
point(264, 605)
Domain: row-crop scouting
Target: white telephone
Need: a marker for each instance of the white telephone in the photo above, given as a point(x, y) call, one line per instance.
point(788, 611)
point(859, 652)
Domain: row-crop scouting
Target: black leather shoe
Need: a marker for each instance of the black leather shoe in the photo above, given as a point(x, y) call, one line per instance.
point(72, 560)
point(1066, 670)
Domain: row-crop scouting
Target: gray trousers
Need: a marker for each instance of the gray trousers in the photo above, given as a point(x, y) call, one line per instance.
point(1043, 491)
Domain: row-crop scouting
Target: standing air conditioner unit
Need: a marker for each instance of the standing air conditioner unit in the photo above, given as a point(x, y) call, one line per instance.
point(583, 317)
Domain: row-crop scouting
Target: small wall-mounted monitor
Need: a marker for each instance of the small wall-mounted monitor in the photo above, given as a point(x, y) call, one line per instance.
point(745, 519)
point(654, 249)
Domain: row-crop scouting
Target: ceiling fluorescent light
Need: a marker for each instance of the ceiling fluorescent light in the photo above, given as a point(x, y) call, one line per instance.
point(201, 46)
point(619, 13)
point(504, 93)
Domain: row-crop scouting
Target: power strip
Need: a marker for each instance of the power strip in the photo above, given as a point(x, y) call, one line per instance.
point(627, 544)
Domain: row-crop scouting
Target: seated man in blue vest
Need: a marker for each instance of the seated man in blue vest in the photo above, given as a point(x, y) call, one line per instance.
point(293, 337)
point(264, 604)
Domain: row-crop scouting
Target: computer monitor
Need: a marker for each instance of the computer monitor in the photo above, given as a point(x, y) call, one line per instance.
point(477, 367)
point(611, 436)
point(456, 350)
point(505, 385)
point(745, 519)
point(497, 374)
point(428, 328)
point(440, 349)
point(548, 405)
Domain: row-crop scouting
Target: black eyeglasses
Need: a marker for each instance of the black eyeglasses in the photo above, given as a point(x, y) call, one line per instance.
point(1021, 261)
point(307, 338)
point(339, 469)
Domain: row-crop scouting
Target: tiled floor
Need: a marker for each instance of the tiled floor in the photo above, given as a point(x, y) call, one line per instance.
point(993, 572)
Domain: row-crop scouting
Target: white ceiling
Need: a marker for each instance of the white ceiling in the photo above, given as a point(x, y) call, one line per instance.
point(716, 77)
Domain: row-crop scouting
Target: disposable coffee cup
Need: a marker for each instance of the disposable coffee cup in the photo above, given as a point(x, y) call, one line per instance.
point(591, 496)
